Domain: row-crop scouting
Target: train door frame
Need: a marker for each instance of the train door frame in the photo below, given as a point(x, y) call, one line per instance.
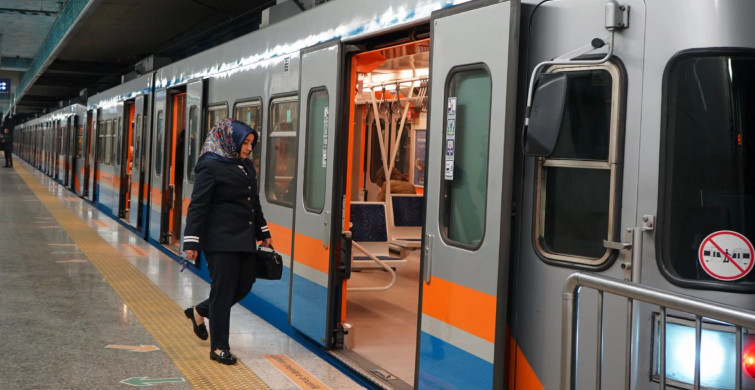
point(86, 151)
point(475, 332)
point(316, 232)
point(193, 133)
point(124, 171)
point(173, 112)
point(137, 177)
point(95, 155)
point(70, 151)
point(119, 130)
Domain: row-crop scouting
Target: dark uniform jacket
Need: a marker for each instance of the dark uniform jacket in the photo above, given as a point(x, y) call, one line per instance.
point(224, 214)
point(7, 140)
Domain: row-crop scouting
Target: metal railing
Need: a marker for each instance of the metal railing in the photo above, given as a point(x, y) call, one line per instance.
point(700, 308)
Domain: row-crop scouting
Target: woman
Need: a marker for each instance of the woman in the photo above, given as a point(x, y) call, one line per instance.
point(225, 221)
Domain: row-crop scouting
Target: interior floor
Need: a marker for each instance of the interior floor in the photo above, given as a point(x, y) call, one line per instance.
point(385, 322)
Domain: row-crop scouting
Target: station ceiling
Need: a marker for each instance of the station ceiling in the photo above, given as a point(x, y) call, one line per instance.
point(53, 54)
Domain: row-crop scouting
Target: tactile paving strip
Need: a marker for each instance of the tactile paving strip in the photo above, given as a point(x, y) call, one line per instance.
point(159, 315)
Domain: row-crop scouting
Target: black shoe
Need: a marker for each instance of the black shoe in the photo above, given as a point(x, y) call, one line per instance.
point(224, 357)
point(199, 330)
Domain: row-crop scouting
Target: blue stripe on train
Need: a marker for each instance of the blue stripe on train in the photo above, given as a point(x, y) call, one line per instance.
point(445, 366)
point(309, 308)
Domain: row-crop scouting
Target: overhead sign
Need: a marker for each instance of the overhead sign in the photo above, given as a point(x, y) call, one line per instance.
point(4, 85)
point(726, 255)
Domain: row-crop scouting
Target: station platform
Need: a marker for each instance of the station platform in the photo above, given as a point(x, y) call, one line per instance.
point(86, 304)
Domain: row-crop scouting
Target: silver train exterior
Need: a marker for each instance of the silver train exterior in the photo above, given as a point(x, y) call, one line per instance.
point(647, 178)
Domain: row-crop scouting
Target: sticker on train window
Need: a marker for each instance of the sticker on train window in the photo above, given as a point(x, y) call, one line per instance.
point(726, 255)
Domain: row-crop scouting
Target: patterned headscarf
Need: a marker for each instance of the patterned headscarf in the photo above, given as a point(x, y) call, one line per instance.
point(225, 138)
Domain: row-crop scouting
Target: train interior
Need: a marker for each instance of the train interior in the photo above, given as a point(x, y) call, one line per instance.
point(389, 118)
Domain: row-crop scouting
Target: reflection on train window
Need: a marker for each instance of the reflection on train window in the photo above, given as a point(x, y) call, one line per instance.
point(315, 159)
point(708, 160)
point(193, 143)
point(108, 142)
point(280, 174)
point(463, 196)
point(79, 141)
point(215, 114)
point(251, 114)
point(159, 143)
point(576, 187)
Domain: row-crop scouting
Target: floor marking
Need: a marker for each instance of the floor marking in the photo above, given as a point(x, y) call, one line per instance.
point(71, 261)
point(50, 227)
point(100, 223)
point(156, 311)
point(134, 348)
point(295, 372)
point(144, 381)
point(62, 244)
point(136, 250)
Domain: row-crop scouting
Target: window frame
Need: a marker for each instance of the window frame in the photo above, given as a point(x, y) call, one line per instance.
point(311, 93)
point(208, 125)
point(443, 192)
point(717, 285)
point(159, 153)
point(279, 99)
point(198, 142)
point(254, 102)
point(613, 164)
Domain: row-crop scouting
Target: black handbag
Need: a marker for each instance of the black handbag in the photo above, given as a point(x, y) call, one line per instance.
point(269, 264)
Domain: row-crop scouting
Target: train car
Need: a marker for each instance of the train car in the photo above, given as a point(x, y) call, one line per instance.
point(60, 138)
point(119, 132)
point(475, 194)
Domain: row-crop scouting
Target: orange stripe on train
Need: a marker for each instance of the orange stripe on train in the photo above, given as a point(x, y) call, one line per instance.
point(459, 306)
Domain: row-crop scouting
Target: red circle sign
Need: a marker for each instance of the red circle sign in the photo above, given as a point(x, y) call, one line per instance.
point(726, 255)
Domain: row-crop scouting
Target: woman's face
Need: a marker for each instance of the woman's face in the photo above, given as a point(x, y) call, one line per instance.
point(246, 147)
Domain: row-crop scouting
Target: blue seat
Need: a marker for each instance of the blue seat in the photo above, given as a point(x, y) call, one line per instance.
point(369, 229)
point(405, 225)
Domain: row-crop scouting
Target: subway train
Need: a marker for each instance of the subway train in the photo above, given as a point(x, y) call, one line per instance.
point(581, 188)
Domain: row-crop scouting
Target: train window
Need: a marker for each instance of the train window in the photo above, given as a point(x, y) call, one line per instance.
point(108, 142)
point(316, 151)
point(215, 114)
point(193, 142)
point(159, 143)
point(136, 158)
point(708, 169)
point(576, 185)
point(463, 193)
point(118, 145)
point(251, 114)
point(280, 171)
point(402, 155)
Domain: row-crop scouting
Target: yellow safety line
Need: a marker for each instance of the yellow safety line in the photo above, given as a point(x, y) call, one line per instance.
point(159, 315)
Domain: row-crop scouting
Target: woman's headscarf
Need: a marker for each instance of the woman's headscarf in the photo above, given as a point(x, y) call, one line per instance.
point(225, 138)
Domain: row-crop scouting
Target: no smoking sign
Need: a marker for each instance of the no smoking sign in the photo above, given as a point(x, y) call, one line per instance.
point(726, 255)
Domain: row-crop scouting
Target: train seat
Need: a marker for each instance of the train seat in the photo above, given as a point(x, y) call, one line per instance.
point(405, 223)
point(369, 230)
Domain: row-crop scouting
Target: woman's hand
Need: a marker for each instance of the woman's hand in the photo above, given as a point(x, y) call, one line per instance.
point(191, 255)
point(268, 242)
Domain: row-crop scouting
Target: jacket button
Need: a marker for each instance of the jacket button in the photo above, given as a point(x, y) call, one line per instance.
point(250, 187)
point(250, 222)
point(248, 198)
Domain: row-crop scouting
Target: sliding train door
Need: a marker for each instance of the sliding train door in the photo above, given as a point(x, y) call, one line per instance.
point(314, 290)
point(468, 196)
point(188, 147)
point(157, 197)
point(136, 175)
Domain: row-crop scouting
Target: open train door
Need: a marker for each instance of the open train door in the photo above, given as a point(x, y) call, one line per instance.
point(468, 196)
point(314, 288)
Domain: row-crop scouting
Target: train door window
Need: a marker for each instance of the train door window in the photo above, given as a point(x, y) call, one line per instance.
point(280, 174)
point(215, 114)
point(108, 142)
point(193, 142)
point(576, 193)
point(79, 141)
point(117, 131)
point(708, 169)
point(160, 138)
point(315, 156)
point(136, 158)
point(251, 114)
point(466, 136)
